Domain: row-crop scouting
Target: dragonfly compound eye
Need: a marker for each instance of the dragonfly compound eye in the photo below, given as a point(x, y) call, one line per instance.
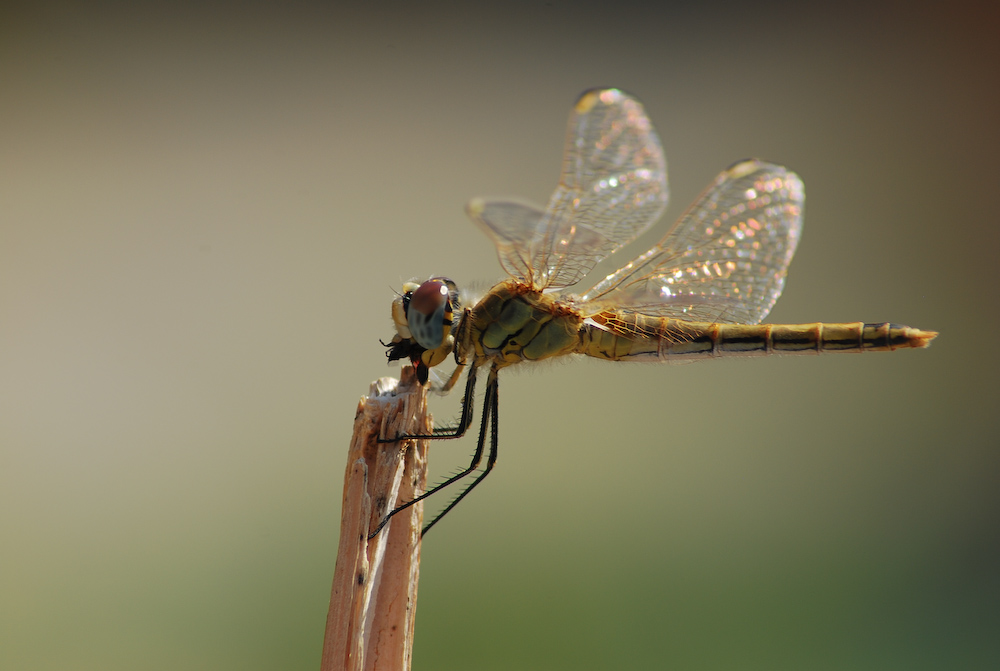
point(428, 313)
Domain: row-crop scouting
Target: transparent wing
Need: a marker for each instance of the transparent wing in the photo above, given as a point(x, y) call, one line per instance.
point(515, 228)
point(725, 260)
point(613, 186)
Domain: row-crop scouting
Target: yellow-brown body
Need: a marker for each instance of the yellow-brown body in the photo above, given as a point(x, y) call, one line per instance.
point(515, 323)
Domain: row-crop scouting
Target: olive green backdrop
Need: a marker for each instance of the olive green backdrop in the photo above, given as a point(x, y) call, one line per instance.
point(204, 213)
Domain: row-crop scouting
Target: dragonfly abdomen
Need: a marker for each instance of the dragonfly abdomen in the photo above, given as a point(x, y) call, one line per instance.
point(816, 338)
point(633, 337)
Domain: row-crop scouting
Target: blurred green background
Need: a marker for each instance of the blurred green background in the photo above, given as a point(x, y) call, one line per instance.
point(205, 211)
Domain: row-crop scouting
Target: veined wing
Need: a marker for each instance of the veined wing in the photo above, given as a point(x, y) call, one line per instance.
point(725, 260)
point(612, 188)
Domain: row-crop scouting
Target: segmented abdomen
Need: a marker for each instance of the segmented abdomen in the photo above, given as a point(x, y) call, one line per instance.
point(632, 337)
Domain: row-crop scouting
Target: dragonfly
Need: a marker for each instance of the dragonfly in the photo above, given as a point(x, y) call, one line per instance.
point(700, 293)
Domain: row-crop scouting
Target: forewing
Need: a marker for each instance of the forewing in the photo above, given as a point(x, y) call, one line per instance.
point(725, 260)
point(513, 226)
point(613, 186)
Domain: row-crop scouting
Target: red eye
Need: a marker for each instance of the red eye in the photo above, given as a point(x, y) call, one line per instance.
point(428, 297)
point(426, 313)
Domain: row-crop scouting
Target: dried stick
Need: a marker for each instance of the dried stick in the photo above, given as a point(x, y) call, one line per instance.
point(374, 598)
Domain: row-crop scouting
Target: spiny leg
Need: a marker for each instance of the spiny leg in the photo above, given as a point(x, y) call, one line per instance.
point(450, 382)
point(453, 432)
point(448, 431)
point(468, 398)
point(489, 409)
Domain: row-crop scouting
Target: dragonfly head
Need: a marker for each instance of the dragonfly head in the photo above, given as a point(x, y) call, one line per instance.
point(424, 314)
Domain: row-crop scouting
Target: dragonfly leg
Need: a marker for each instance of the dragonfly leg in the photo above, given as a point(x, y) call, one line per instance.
point(460, 430)
point(489, 409)
point(447, 431)
point(450, 382)
point(459, 334)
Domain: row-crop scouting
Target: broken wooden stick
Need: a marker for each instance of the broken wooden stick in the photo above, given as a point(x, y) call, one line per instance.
point(374, 598)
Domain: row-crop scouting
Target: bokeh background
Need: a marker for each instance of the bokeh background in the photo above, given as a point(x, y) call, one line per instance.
point(205, 210)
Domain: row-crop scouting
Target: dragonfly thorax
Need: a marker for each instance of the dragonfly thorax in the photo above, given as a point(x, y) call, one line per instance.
point(515, 322)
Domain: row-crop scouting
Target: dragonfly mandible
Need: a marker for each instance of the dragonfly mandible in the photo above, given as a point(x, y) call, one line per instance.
point(701, 292)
